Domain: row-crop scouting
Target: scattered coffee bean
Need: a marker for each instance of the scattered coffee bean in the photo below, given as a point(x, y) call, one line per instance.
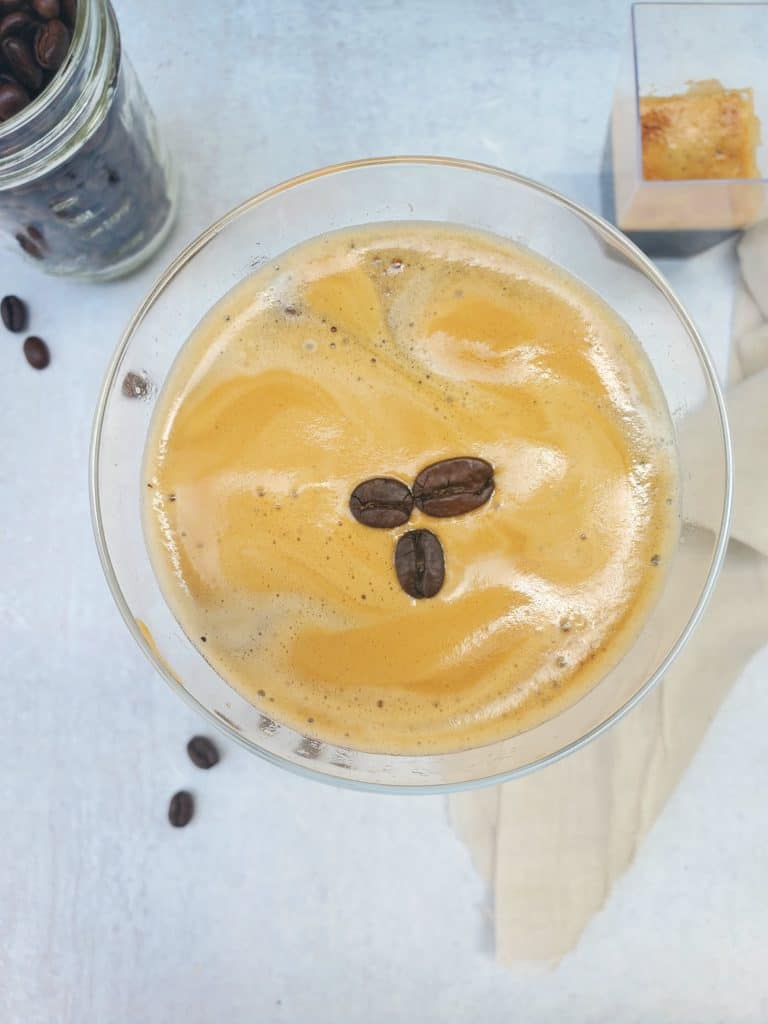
point(21, 63)
point(381, 502)
point(30, 247)
point(18, 23)
point(134, 385)
point(14, 313)
point(181, 809)
point(36, 352)
point(51, 44)
point(453, 486)
point(419, 563)
point(13, 98)
point(47, 8)
point(202, 752)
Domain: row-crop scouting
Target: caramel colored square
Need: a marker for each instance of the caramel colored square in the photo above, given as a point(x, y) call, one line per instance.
point(708, 132)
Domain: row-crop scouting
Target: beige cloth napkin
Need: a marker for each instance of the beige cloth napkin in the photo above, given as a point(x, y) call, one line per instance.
point(553, 844)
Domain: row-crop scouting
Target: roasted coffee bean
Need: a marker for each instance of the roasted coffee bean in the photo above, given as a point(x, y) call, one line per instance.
point(381, 501)
point(30, 247)
point(14, 313)
point(202, 752)
point(21, 62)
point(51, 44)
point(36, 352)
point(453, 486)
point(18, 23)
point(134, 385)
point(181, 809)
point(13, 98)
point(46, 8)
point(419, 563)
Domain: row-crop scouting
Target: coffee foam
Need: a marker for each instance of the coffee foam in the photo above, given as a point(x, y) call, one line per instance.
point(376, 351)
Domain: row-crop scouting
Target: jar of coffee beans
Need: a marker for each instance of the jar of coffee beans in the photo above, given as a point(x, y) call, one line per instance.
point(85, 185)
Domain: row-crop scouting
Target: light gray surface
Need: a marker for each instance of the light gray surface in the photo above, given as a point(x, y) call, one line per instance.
point(284, 900)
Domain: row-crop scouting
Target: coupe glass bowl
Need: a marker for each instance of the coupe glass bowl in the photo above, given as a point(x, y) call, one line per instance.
point(404, 189)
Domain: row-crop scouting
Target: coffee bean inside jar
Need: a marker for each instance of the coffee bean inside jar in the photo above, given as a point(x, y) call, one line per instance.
point(85, 187)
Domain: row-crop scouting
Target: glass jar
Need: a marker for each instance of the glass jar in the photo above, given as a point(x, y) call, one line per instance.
point(85, 185)
point(676, 51)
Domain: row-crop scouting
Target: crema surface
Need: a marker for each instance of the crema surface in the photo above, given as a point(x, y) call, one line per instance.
point(374, 352)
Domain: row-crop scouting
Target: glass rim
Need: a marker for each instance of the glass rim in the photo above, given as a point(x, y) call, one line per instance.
point(180, 262)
